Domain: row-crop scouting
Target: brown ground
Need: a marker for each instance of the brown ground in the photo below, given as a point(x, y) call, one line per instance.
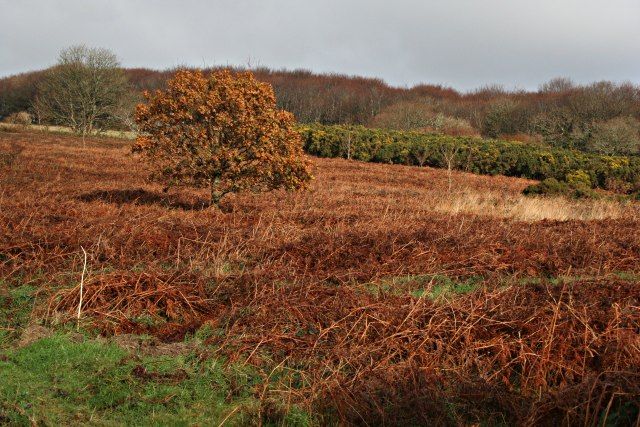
point(290, 278)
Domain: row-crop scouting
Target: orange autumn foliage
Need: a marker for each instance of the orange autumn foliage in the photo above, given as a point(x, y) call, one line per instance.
point(221, 132)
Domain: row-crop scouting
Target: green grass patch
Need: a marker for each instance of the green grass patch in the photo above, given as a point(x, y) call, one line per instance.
point(16, 304)
point(439, 286)
point(432, 286)
point(444, 287)
point(58, 381)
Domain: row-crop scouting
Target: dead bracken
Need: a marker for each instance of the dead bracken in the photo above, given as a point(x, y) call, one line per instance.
point(549, 332)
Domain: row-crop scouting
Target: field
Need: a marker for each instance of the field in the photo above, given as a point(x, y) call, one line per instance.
point(377, 297)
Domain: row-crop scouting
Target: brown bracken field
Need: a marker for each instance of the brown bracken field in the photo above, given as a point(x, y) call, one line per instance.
point(390, 299)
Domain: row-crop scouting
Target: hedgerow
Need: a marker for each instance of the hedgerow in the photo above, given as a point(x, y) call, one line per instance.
point(476, 155)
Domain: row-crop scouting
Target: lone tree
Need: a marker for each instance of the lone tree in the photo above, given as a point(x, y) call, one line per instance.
point(221, 132)
point(85, 91)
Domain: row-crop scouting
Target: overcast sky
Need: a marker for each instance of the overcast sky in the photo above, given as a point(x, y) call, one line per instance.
point(459, 43)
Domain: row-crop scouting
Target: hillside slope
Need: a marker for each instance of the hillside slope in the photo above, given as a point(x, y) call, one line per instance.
point(378, 296)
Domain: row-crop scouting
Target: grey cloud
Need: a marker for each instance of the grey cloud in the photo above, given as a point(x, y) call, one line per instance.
point(462, 43)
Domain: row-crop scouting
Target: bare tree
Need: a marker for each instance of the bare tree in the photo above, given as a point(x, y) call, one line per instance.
point(84, 91)
point(449, 152)
point(557, 85)
point(348, 144)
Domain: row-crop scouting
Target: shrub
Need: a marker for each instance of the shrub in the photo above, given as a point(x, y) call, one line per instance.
point(422, 116)
point(223, 133)
point(584, 193)
point(578, 179)
point(548, 187)
point(618, 186)
point(504, 116)
point(21, 118)
point(453, 126)
point(405, 115)
point(553, 187)
point(618, 135)
point(481, 156)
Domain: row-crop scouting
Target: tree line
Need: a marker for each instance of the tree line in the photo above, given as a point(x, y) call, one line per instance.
point(601, 117)
point(572, 170)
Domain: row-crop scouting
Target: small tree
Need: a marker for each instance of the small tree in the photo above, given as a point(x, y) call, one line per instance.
point(449, 152)
point(223, 133)
point(84, 91)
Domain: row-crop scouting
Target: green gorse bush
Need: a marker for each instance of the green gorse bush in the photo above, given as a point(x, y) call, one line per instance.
point(476, 155)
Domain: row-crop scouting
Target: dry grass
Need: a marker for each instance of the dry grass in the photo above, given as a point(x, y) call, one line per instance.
point(521, 208)
point(9, 127)
point(285, 278)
